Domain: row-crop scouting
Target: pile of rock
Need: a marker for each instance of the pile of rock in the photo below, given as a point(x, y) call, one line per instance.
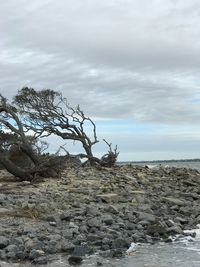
point(90, 210)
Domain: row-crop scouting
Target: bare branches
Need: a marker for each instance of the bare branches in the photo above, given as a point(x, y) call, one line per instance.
point(109, 159)
point(47, 112)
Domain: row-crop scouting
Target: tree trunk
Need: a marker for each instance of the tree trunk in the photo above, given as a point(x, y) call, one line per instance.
point(13, 169)
point(27, 149)
point(88, 149)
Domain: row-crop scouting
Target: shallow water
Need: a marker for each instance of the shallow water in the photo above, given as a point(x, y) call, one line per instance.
point(178, 164)
point(178, 254)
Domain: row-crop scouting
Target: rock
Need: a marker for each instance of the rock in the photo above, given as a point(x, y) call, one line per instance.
point(2, 198)
point(158, 227)
point(92, 237)
point(75, 260)
point(12, 248)
point(4, 211)
point(3, 242)
point(120, 243)
point(112, 209)
point(109, 198)
point(175, 230)
point(144, 216)
point(40, 260)
point(67, 233)
point(51, 218)
point(107, 219)
point(174, 201)
point(35, 254)
point(81, 250)
point(138, 196)
point(94, 222)
point(66, 216)
point(94, 211)
point(67, 247)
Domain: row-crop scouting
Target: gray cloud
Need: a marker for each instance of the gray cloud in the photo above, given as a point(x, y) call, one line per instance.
point(118, 59)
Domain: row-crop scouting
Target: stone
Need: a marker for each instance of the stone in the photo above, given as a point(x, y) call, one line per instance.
point(67, 247)
point(75, 260)
point(109, 198)
point(35, 254)
point(174, 201)
point(91, 210)
point(175, 230)
point(120, 243)
point(144, 216)
point(94, 222)
point(67, 233)
point(40, 260)
point(3, 242)
point(138, 196)
point(158, 227)
point(66, 216)
point(112, 209)
point(107, 219)
point(81, 250)
point(12, 248)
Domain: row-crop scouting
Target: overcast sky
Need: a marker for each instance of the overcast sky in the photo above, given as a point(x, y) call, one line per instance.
point(132, 65)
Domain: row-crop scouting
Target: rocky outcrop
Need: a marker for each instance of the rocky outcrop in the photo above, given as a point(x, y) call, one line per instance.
point(96, 210)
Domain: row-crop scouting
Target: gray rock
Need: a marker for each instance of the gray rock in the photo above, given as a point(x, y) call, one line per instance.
point(91, 210)
point(175, 230)
point(12, 248)
point(81, 250)
point(92, 237)
point(35, 254)
point(94, 222)
point(66, 216)
point(143, 216)
point(109, 198)
point(3, 242)
point(158, 227)
point(67, 247)
point(107, 219)
point(174, 201)
point(40, 260)
point(75, 260)
point(67, 233)
point(2, 198)
point(55, 237)
point(112, 209)
point(119, 243)
point(83, 229)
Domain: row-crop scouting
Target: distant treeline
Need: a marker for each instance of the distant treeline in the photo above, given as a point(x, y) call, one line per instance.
point(161, 161)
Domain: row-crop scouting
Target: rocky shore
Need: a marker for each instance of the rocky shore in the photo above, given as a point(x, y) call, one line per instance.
point(90, 210)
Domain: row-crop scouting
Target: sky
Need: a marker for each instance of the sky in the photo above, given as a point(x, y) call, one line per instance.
point(132, 65)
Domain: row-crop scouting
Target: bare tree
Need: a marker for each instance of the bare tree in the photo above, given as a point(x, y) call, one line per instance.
point(47, 112)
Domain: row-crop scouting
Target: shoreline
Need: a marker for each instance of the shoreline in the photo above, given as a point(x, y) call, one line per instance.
point(92, 210)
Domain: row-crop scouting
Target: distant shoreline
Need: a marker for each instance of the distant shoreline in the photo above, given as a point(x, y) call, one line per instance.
point(161, 161)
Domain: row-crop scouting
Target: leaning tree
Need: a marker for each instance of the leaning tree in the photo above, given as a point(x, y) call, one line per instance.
point(47, 112)
point(13, 134)
point(15, 137)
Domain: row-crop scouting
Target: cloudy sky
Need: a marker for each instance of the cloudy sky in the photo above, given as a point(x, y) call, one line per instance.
point(132, 65)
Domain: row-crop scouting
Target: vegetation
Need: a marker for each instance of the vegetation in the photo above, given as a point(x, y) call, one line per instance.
point(34, 115)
